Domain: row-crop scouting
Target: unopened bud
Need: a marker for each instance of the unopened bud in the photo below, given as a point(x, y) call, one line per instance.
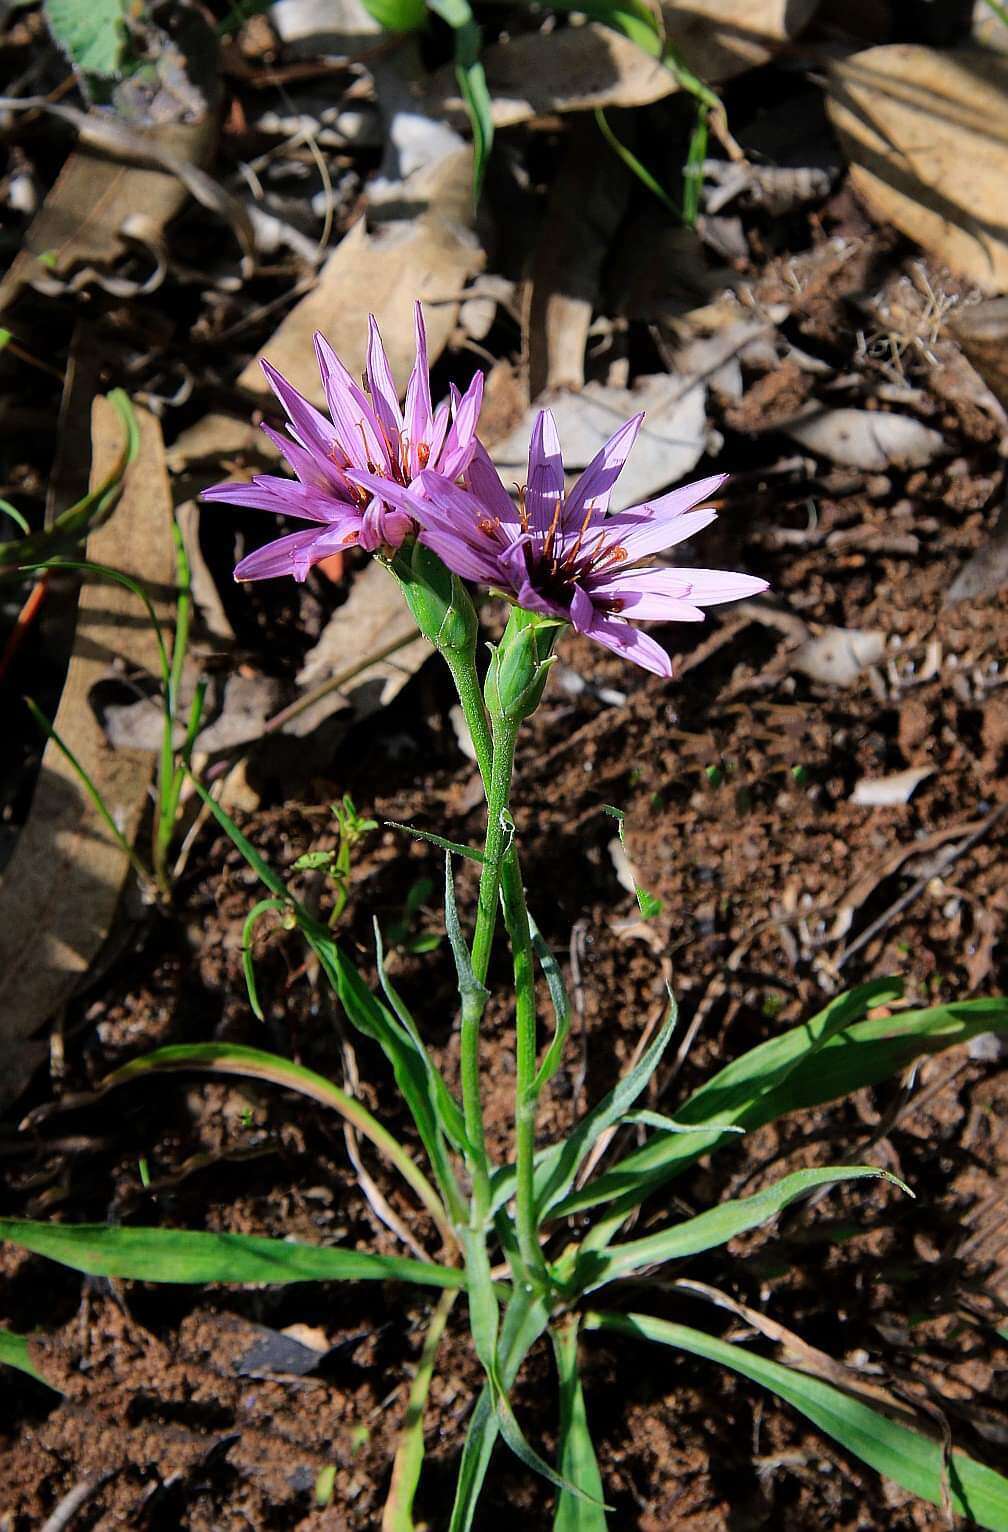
point(441, 606)
point(520, 665)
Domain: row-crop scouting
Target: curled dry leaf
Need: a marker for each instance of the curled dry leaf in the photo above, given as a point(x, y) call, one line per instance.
point(59, 892)
point(926, 135)
point(869, 439)
point(96, 196)
point(671, 441)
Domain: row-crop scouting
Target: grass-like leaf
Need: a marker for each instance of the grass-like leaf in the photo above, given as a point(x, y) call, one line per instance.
point(911, 1458)
point(714, 1227)
point(556, 1172)
point(524, 1321)
point(14, 1353)
point(184, 1255)
point(822, 1060)
point(398, 1512)
point(578, 1462)
point(255, 1064)
point(471, 81)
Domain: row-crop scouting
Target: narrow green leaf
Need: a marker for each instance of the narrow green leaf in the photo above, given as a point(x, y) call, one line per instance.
point(398, 15)
point(471, 80)
point(436, 840)
point(256, 1064)
point(634, 18)
point(714, 1227)
point(448, 1111)
point(578, 1462)
point(14, 1353)
point(363, 1009)
point(636, 168)
point(524, 1321)
point(752, 1090)
point(560, 1164)
point(561, 1010)
point(252, 919)
point(183, 1255)
point(911, 1458)
point(513, 1435)
point(398, 1514)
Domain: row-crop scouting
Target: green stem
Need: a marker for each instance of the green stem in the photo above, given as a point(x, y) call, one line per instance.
point(490, 756)
point(526, 1097)
point(474, 1004)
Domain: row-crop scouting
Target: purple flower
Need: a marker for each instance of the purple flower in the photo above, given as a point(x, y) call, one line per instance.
point(367, 430)
point(562, 555)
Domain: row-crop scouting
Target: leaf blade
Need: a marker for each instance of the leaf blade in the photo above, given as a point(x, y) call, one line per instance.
point(197, 1256)
point(909, 1457)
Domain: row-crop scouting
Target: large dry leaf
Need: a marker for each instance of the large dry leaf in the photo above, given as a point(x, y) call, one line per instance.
point(869, 439)
point(430, 255)
point(94, 197)
point(927, 137)
point(670, 444)
point(59, 891)
point(571, 70)
point(577, 68)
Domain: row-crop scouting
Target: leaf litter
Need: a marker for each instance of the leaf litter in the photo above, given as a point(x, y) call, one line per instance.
point(740, 783)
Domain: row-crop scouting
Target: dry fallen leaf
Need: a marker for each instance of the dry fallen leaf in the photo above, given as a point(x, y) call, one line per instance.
point(886, 792)
point(926, 134)
point(578, 68)
point(59, 892)
point(581, 219)
point(869, 439)
point(373, 616)
point(429, 255)
point(670, 444)
point(838, 656)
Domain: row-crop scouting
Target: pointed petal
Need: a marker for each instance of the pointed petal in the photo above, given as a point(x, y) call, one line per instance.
point(314, 431)
point(682, 499)
point(460, 442)
point(545, 473)
point(582, 610)
point(640, 535)
point(384, 398)
point(458, 554)
point(485, 483)
point(594, 486)
point(418, 412)
point(314, 470)
point(283, 497)
point(631, 644)
point(291, 555)
point(709, 587)
point(359, 435)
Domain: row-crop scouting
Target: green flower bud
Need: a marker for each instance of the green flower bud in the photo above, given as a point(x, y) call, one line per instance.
point(439, 601)
point(520, 665)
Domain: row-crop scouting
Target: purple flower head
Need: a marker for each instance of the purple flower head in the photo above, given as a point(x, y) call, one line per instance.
point(560, 553)
point(366, 430)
